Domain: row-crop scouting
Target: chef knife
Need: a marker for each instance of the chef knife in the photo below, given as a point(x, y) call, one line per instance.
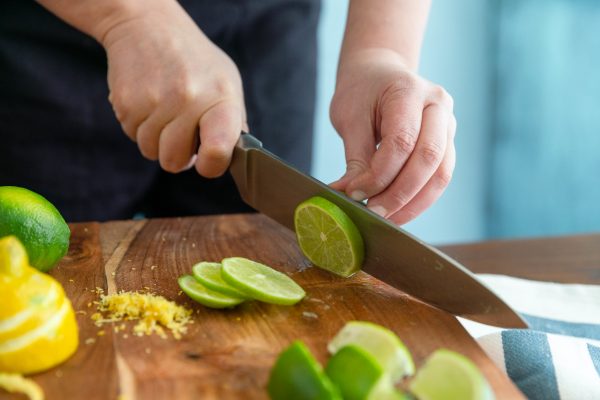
point(392, 255)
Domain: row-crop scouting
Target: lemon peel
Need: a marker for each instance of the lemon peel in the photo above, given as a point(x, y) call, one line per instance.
point(16, 383)
point(153, 312)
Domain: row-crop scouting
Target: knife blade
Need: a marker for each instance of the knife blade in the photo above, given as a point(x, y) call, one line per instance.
point(392, 255)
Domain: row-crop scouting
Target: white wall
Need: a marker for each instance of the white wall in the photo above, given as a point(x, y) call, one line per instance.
point(456, 55)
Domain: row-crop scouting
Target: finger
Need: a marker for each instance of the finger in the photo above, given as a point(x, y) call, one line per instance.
point(177, 143)
point(220, 129)
point(359, 148)
point(430, 192)
point(400, 125)
point(131, 112)
point(149, 132)
point(421, 165)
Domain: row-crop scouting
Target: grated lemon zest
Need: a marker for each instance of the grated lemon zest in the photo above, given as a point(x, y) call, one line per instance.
point(16, 383)
point(154, 313)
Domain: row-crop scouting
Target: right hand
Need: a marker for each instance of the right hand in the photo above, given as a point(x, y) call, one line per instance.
point(168, 84)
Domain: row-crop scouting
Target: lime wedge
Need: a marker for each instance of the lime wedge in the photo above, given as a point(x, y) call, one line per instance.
point(380, 342)
point(354, 371)
point(204, 296)
point(448, 375)
point(328, 237)
point(209, 274)
point(296, 375)
point(260, 282)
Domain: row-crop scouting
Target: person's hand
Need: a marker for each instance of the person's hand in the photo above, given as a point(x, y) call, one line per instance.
point(172, 89)
point(398, 132)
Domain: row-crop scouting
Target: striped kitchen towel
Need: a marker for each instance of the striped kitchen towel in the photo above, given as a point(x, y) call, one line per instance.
point(559, 356)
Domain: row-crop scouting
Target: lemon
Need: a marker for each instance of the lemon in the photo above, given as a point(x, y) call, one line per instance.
point(448, 375)
point(37, 223)
point(38, 329)
point(328, 237)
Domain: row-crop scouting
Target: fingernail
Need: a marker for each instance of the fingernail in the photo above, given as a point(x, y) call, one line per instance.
point(358, 195)
point(379, 210)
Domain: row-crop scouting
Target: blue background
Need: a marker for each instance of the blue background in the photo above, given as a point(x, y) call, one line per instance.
point(525, 77)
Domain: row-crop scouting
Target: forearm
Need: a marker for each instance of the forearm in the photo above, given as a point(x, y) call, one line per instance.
point(395, 25)
point(97, 17)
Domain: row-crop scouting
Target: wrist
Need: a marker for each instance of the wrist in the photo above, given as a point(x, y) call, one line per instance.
point(360, 60)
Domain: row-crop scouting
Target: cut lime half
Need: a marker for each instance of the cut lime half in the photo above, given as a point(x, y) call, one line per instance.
point(260, 282)
point(296, 375)
point(448, 375)
point(328, 237)
point(380, 342)
point(209, 298)
point(209, 274)
point(354, 371)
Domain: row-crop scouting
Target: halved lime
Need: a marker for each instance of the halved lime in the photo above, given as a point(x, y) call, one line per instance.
point(354, 371)
point(448, 375)
point(204, 296)
point(209, 274)
point(328, 237)
point(296, 375)
point(260, 282)
point(380, 342)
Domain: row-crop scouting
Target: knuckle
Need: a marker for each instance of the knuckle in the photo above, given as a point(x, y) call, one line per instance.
point(443, 177)
point(217, 151)
point(121, 102)
point(441, 96)
point(356, 165)
point(148, 150)
point(404, 140)
point(379, 182)
point(398, 198)
point(431, 153)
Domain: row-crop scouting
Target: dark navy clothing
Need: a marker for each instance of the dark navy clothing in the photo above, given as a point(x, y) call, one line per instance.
point(60, 138)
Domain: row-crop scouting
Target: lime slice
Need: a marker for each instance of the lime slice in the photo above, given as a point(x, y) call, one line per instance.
point(328, 237)
point(296, 375)
point(448, 375)
point(355, 371)
point(260, 282)
point(380, 342)
point(209, 274)
point(204, 296)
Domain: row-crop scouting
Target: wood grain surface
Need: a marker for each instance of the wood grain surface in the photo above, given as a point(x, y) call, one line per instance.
point(225, 354)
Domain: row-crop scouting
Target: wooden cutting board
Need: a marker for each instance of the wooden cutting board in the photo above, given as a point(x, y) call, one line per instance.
point(225, 354)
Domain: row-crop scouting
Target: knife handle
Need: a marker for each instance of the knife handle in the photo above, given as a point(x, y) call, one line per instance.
point(247, 141)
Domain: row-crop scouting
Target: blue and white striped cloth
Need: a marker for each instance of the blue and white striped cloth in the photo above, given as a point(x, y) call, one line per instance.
point(559, 356)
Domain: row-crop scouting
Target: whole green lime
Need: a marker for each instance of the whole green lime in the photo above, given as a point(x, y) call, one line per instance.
point(37, 224)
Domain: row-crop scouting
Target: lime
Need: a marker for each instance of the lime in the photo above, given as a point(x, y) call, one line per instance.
point(204, 296)
point(260, 282)
point(448, 375)
point(296, 375)
point(209, 274)
point(328, 237)
point(37, 224)
point(380, 342)
point(354, 371)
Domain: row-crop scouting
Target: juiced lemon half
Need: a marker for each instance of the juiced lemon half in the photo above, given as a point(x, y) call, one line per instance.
point(38, 329)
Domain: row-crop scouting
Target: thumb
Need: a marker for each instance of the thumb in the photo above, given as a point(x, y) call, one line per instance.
point(359, 147)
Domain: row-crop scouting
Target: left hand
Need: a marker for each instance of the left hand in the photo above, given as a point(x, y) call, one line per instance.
point(398, 132)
